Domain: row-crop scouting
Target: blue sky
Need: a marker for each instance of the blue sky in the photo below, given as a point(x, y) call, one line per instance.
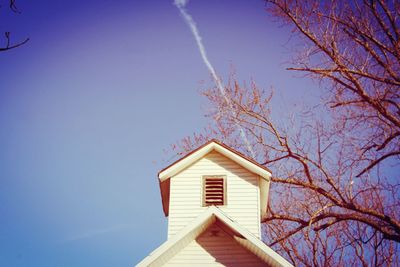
point(88, 105)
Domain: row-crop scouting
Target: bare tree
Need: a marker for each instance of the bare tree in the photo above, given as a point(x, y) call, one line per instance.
point(353, 48)
point(335, 185)
point(8, 44)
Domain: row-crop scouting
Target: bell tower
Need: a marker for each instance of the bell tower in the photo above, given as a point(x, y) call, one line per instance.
point(215, 175)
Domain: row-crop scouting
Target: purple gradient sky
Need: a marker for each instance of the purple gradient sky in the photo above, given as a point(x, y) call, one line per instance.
point(89, 104)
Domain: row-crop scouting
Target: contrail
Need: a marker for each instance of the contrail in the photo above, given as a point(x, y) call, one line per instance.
point(95, 232)
point(180, 4)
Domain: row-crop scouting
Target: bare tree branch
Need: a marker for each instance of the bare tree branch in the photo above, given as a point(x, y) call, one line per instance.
point(332, 202)
point(9, 46)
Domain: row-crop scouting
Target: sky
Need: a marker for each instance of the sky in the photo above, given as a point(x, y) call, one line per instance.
point(90, 103)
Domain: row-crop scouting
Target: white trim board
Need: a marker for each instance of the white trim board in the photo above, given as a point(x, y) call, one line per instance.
point(171, 247)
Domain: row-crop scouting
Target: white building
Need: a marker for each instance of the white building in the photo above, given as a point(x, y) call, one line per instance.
point(215, 199)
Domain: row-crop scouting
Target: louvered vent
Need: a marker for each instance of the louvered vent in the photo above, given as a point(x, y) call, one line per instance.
point(214, 191)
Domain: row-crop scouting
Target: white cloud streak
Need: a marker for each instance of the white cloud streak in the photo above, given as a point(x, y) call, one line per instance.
point(180, 4)
point(95, 232)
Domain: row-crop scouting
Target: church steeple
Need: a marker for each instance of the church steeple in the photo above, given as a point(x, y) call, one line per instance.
point(215, 175)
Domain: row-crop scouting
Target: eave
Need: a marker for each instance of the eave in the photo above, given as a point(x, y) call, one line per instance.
point(212, 215)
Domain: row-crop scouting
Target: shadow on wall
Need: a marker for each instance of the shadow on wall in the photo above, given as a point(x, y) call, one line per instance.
point(219, 246)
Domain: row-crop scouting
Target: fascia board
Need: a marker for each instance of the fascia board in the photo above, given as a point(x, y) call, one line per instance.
point(179, 166)
point(279, 260)
point(185, 162)
point(196, 227)
point(201, 223)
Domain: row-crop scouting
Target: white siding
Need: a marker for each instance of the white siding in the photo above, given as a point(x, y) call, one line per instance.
point(215, 248)
point(242, 193)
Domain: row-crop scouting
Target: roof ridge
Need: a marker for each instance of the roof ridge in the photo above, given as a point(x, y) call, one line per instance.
point(240, 154)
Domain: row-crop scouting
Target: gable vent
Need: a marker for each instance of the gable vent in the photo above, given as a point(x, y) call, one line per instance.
point(214, 191)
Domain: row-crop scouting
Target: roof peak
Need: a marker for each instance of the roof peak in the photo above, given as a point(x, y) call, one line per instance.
point(221, 144)
point(201, 224)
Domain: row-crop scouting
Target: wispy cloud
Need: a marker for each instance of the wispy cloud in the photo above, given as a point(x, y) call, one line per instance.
point(94, 232)
point(180, 4)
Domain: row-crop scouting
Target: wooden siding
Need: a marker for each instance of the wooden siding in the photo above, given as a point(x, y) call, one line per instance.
point(242, 193)
point(215, 248)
